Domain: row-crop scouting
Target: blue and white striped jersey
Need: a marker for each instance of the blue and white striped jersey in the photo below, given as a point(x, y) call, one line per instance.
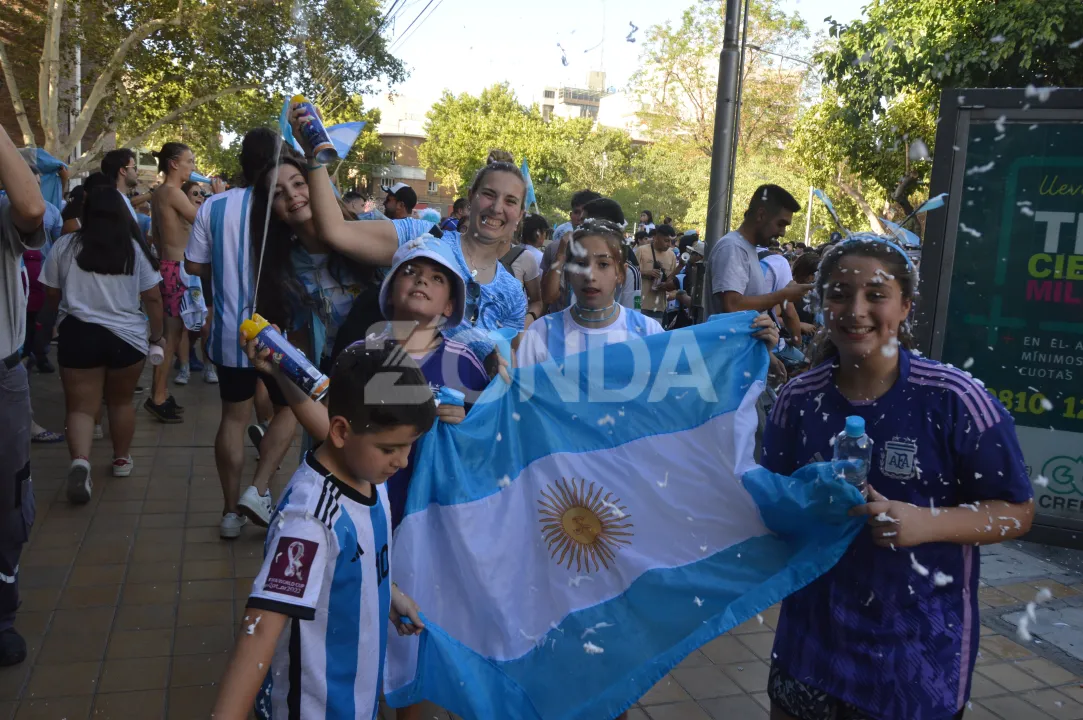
point(325, 566)
point(220, 236)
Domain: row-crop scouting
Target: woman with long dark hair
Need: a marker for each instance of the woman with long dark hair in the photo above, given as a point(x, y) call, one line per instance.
point(304, 283)
point(98, 275)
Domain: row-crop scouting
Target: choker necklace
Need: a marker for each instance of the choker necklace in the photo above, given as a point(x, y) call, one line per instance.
point(579, 310)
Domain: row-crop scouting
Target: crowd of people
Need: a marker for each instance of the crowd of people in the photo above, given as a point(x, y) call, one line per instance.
point(438, 304)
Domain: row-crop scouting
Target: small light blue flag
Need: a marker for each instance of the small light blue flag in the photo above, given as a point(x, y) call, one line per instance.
point(830, 208)
point(342, 136)
point(905, 238)
point(937, 201)
point(531, 199)
point(564, 565)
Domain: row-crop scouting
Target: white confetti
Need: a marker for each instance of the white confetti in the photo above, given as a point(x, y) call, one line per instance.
point(968, 363)
point(918, 567)
point(574, 582)
point(504, 482)
point(969, 230)
point(919, 150)
point(997, 39)
point(499, 437)
point(1046, 405)
point(592, 649)
point(516, 417)
point(977, 169)
point(252, 628)
point(594, 629)
point(941, 579)
point(1041, 481)
point(760, 618)
point(607, 420)
point(1076, 44)
point(698, 602)
point(1042, 93)
point(664, 483)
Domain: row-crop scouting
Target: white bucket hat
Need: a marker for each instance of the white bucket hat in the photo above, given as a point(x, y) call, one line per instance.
point(427, 246)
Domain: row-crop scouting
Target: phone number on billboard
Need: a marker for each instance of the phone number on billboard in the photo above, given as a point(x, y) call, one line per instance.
point(1023, 402)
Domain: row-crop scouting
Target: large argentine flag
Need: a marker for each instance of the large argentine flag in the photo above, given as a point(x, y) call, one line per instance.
point(574, 539)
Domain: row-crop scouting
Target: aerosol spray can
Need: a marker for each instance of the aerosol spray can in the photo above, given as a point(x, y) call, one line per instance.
point(290, 361)
point(315, 134)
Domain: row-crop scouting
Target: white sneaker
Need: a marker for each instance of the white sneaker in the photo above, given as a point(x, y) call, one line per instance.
point(183, 375)
point(209, 375)
point(98, 432)
point(79, 482)
point(256, 507)
point(122, 467)
point(231, 525)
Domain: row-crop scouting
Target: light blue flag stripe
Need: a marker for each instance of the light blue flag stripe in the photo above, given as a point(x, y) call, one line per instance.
point(563, 415)
point(786, 532)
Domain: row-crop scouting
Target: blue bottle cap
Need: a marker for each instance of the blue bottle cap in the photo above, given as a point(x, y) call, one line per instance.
point(855, 426)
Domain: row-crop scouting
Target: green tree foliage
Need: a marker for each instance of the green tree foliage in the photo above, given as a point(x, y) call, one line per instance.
point(883, 75)
point(564, 155)
point(678, 79)
point(922, 46)
point(196, 69)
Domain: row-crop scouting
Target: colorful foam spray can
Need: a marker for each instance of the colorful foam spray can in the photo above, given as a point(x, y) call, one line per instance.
point(290, 361)
point(315, 134)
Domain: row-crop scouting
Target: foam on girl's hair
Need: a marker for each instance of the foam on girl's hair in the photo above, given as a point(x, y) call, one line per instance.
point(898, 265)
point(612, 233)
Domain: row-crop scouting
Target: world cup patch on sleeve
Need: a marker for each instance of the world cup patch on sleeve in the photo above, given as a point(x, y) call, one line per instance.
point(290, 565)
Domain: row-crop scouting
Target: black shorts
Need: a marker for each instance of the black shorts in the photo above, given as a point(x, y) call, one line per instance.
point(85, 346)
point(239, 384)
point(805, 702)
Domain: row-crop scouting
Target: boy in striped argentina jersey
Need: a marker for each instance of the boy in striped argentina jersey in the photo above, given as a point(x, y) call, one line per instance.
point(315, 630)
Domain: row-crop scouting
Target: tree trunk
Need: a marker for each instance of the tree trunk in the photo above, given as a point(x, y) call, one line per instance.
point(105, 79)
point(16, 98)
point(49, 80)
point(857, 197)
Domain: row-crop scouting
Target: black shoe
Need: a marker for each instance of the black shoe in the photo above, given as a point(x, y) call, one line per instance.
point(165, 412)
point(173, 402)
point(44, 366)
point(12, 648)
point(256, 431)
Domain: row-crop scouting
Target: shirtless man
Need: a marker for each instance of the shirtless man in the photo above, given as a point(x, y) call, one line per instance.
point(173, 214)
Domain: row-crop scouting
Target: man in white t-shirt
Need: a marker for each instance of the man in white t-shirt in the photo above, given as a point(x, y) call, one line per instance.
point(22, 210)
point(220, 251)
point(777, 274)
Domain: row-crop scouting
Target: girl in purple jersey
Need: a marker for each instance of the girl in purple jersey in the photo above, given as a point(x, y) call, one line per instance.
point(891, 632)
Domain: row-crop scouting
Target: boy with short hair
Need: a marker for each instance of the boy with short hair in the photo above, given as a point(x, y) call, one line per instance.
point(313, 639)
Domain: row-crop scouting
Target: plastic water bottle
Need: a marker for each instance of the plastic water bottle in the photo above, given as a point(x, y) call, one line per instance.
point(156, 354)
point(853, 453)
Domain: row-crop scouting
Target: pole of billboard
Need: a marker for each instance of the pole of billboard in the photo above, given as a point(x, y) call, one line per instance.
point(721, 188)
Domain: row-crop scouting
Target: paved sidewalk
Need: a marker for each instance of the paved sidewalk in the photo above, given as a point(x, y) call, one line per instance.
point(130, 604)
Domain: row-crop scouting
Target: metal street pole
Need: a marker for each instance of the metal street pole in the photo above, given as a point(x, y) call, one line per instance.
point(721, 188)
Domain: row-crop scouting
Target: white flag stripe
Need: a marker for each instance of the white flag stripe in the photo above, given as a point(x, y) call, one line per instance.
point(674, 524)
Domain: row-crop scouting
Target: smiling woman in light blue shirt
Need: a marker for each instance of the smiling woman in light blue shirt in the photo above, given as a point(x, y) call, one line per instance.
point(495, 299)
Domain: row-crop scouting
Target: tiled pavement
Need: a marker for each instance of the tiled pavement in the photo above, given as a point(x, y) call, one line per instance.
point(130, 604)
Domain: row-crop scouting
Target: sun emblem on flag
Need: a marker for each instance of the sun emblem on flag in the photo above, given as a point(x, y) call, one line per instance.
point(581, 525)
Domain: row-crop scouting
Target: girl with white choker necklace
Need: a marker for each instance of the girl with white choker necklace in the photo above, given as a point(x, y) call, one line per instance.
point(595, 266)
